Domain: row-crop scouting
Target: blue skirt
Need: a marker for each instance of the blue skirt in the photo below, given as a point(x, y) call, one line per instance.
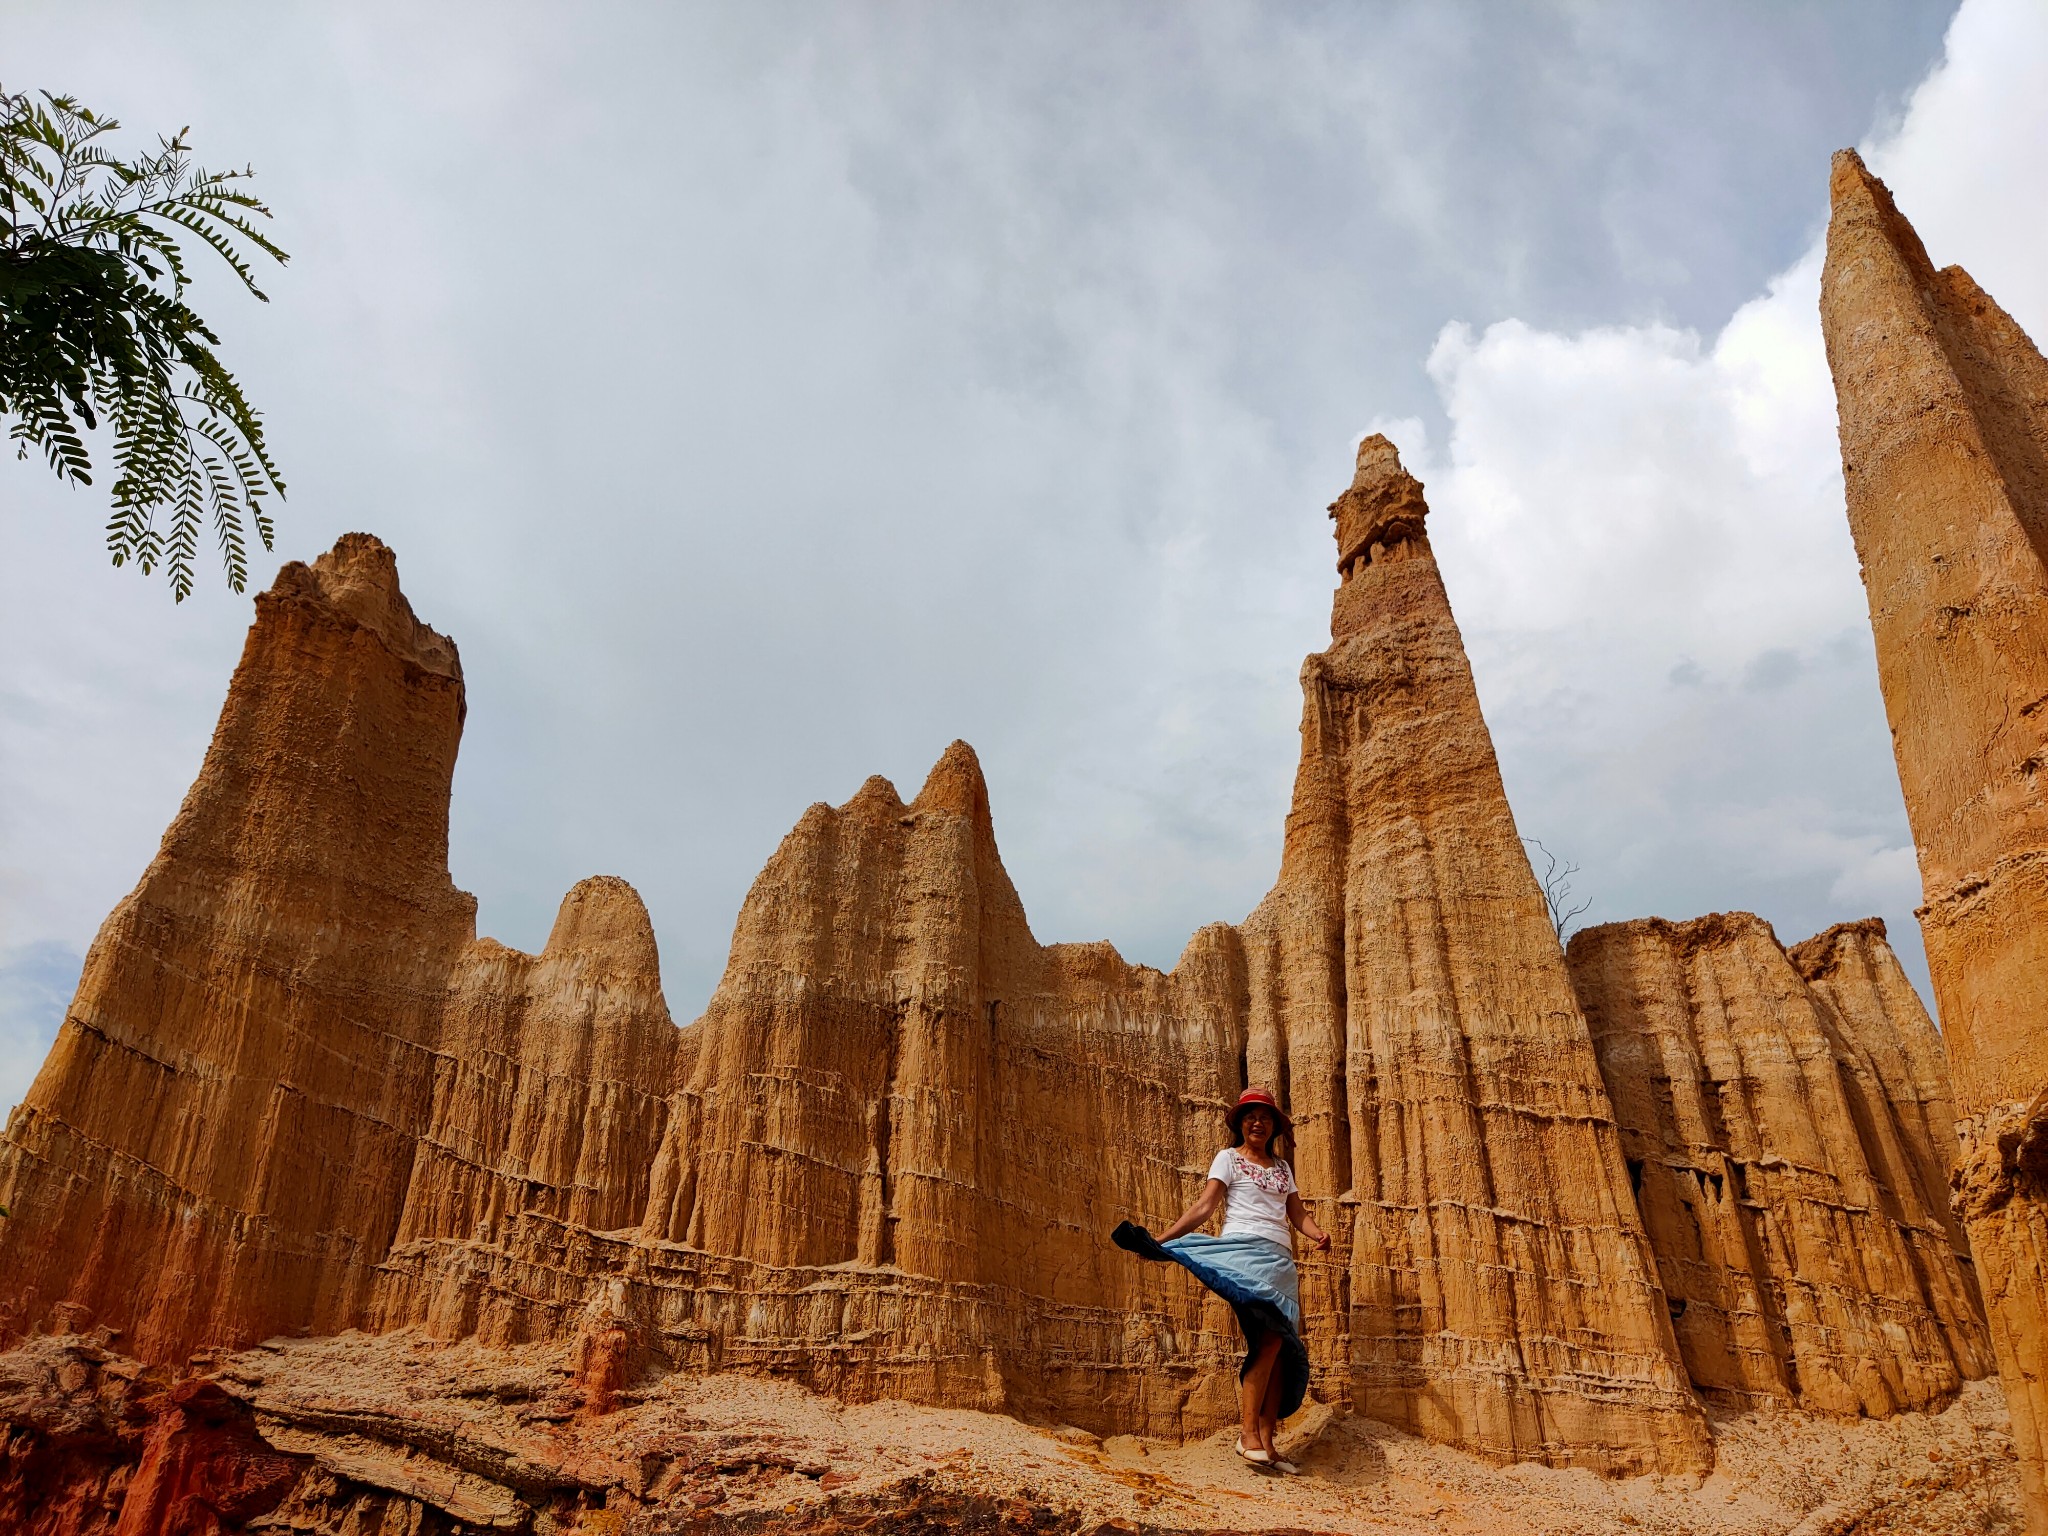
point(1259, 1281)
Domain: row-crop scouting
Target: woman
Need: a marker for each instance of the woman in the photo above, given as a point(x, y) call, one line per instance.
point(1251, 1265)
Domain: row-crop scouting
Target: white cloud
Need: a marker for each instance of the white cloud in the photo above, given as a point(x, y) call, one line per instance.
point(1882, 880)
point(1967, 165)
point(1644, 537)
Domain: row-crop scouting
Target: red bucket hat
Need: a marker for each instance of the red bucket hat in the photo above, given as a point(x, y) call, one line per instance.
point(1235, 1114)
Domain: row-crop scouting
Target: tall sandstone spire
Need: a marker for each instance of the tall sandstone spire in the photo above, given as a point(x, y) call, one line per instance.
point(1407, 989)
point(219, 1143)
point(1944, 424)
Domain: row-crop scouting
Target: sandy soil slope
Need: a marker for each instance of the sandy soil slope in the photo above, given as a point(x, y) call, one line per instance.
point(370, 1435)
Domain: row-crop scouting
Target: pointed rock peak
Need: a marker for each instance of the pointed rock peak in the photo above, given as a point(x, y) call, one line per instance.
point(877, 796)
point(1851, 182)
point(955, 784)
point(1378, 461)
point(1857, 198)
point(1817, 957)
point(1862, 927)
point(1847, 174)
point(359, 578)
point(1383, 510)
point(604, 918)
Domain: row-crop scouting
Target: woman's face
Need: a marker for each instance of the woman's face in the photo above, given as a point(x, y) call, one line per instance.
point(1257, 1125)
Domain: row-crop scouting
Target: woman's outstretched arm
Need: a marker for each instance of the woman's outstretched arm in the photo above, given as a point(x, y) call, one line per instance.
point(1203, 1208)
point(1305, 1223)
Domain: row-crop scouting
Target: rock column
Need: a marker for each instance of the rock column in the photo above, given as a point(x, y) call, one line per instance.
point(1944, 426)
point(220, 1142)
point(1409, 996)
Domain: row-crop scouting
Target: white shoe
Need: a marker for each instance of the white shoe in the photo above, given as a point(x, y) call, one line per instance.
point(1257, 1458)
point(1281, 1464)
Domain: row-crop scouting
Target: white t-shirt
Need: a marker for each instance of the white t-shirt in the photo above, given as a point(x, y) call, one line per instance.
point(1255, 1198)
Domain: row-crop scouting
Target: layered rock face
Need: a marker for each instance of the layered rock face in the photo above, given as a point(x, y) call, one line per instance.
point(1781, 1151)
point(219, 1144)
point(548, 1087)
point(892, 1145)
point(1944, 425)
point(296, 1094)
point(1851, 968)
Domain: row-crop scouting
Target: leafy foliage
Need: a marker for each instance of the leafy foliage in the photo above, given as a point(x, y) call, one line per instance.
point(94, 327)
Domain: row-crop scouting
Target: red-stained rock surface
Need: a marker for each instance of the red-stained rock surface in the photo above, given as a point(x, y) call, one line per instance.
point(203, 1469)
point(98, 1446)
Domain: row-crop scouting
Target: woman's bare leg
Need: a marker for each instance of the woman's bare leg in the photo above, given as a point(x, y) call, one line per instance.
point(1269, 1405)
point(1254, 1390)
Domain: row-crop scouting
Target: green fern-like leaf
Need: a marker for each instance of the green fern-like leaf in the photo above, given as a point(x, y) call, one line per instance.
point(94, 328)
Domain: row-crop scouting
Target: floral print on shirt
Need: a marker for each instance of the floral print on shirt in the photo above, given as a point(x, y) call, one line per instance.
point(1276, 1180)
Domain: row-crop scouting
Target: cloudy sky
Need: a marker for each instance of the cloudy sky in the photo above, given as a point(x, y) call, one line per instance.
point(765, 395)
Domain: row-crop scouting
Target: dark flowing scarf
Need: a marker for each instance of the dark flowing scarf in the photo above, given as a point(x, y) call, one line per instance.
point(1257, 1279)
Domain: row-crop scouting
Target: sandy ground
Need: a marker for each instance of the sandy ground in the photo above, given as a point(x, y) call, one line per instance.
point(1777, 1473)
point(736, 1453)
